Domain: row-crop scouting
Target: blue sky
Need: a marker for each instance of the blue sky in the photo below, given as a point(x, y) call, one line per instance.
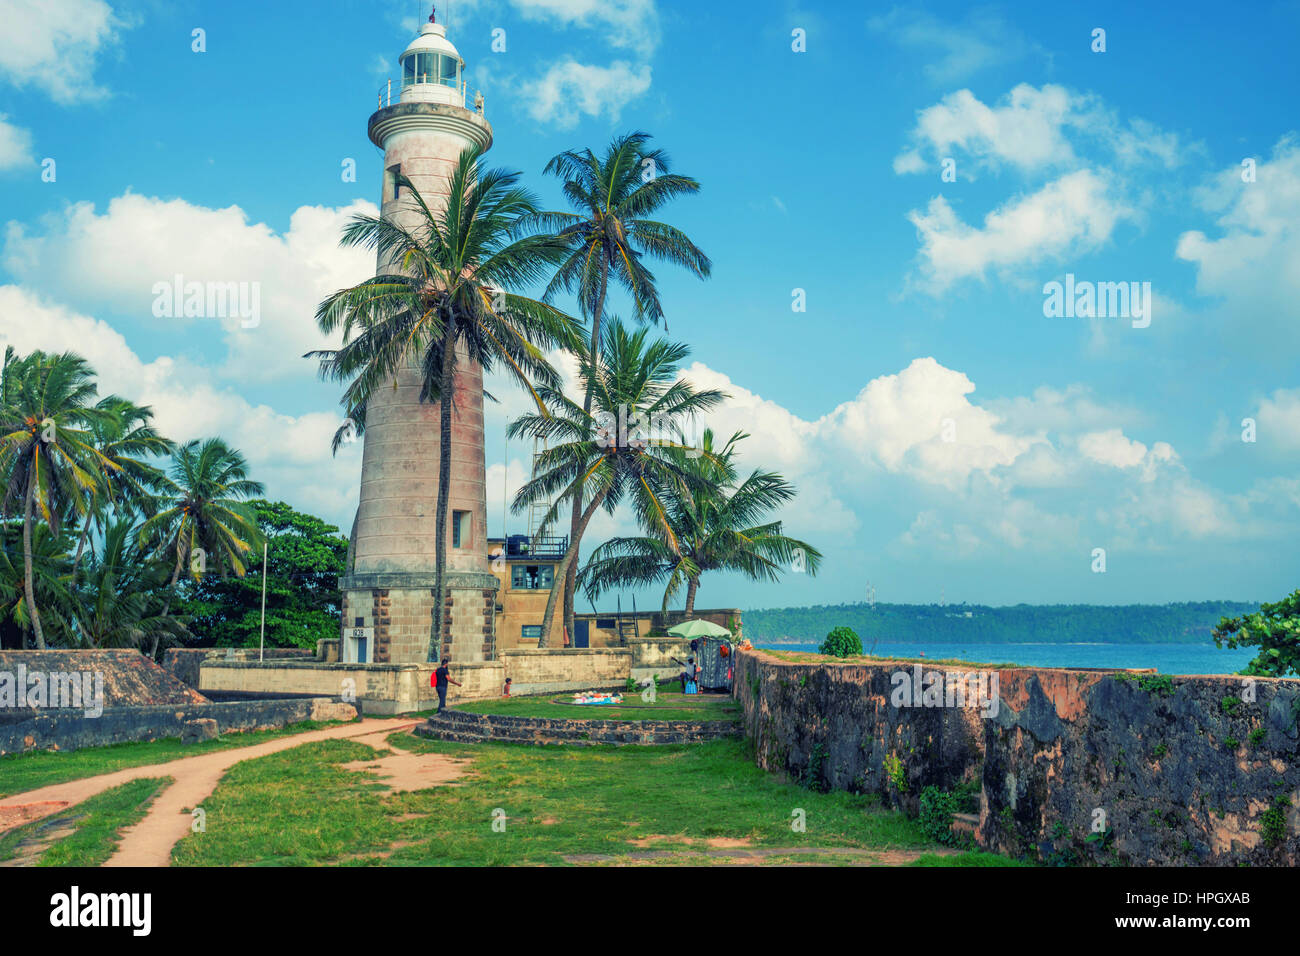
point(943, 431)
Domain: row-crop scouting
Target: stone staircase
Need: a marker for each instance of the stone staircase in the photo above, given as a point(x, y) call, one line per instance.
point(464, 727)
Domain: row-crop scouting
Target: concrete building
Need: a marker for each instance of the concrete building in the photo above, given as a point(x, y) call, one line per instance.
point(423, 126)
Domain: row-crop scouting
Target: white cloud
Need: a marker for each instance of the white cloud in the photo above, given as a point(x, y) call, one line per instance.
point(982, 40)
point(1254, 264)
point(632, 24)
point(1032, 129)
point(1112, 448)
point(1074, 214)
point(290, 454)
point(1278, 420)
point(920, 422)
point(1025, 131)
point(55, 46)
point(15, 145)
point(570, 90)
point(114, 260)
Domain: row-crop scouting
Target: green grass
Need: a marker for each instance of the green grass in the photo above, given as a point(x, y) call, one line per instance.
point(98, 821)
point(669, 705)
point(299, 807)
point(22, 772)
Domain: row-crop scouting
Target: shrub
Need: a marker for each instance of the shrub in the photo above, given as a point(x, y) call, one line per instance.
point(936, 810)
point(1273, 822)
point(841, 642)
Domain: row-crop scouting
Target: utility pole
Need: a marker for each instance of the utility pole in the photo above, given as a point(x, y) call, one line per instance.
point(261, 651)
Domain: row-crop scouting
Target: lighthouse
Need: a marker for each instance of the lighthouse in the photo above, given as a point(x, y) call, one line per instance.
point(423, 123)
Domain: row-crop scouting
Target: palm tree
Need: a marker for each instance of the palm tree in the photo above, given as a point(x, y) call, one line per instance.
point(453, 289)
point(601, 458)
point(203, 506)
point(47, 452)
point(609, 237)
point(120, 602)
point(51, 580)
point(126, 437)
point(717, 525)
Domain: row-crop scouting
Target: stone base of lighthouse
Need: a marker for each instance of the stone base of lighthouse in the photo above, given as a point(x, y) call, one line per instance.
point(388, 617)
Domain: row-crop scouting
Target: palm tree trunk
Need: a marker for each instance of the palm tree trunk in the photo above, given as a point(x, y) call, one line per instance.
point(566, 562)
point(81, 545)
point(570, 576)
point(28, 585)
point(692, 586)
point(171, 585)
point(438, 635)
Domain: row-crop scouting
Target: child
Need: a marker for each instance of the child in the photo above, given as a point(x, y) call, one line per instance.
point(505, 691)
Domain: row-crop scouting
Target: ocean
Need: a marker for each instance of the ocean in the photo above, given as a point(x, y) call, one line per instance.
point(1166, 658)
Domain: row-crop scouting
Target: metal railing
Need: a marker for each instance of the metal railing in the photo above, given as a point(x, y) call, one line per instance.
point(391, 93)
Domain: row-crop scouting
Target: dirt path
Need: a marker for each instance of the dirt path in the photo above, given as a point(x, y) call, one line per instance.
point(150, 842)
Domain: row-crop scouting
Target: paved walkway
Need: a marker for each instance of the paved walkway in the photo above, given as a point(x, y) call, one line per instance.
point(150, 842)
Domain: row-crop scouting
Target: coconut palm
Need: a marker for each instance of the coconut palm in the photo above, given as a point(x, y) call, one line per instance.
point(717, 525)
point(453, 289)
point(127, 438)
point(631, 444)
point(51, 580)
point(609, 236)
point(47, 451)
point(203, 507)
point(120, 601)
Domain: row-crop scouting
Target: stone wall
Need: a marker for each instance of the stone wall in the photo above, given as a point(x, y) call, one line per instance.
point(125, 676)
point(183, 662)
point(465, 727)
point(403, 688)
point(72, 730)
point(1163, 770)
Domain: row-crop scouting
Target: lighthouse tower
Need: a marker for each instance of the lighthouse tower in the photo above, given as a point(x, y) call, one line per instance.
point(389, 594)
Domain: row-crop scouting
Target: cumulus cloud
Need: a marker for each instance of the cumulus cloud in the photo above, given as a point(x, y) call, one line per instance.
point(1074, 214)
point(15, 145)
point(1032, 129)
point(56, 46)
point(622, 23)
point(570, 90)
point(1254, 262)
point(117, 258)
point(290, 453)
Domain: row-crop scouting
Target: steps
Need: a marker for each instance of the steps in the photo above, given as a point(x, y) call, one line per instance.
point(462, 726)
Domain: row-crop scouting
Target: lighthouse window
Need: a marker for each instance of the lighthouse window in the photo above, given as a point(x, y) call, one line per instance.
point(449, 69)
point(459, 529)
point(408, 71)
point(394, 188)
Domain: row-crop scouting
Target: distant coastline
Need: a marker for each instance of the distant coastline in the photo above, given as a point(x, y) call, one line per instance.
point(1018, 624)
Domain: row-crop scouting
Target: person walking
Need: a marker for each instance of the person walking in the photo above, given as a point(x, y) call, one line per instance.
point(440, 679)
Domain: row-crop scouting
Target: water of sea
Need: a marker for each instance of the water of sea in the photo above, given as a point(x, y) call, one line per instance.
point(1166, 658)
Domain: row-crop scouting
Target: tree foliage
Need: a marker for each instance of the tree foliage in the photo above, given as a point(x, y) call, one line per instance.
point(305, 557)
point(1274, 629)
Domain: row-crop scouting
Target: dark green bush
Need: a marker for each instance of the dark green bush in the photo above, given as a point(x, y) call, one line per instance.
point(936, 810)
point(841, 642)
